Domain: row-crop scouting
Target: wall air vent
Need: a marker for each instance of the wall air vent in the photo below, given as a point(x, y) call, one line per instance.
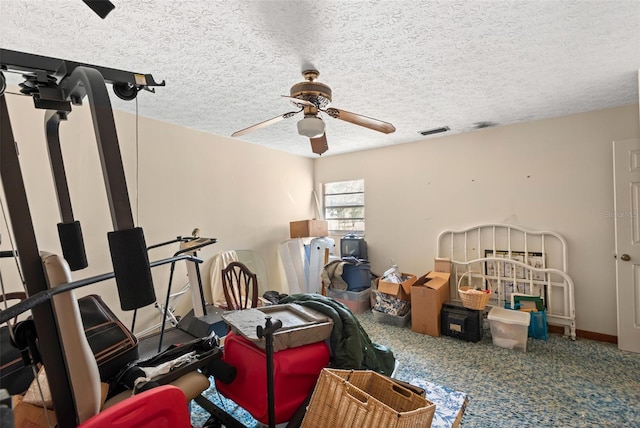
point(435, 130)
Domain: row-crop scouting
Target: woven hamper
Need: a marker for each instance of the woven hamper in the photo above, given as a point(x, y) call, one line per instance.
point(365, 399)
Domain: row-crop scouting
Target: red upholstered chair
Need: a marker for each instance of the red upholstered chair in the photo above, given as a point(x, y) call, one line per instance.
point(160, 407)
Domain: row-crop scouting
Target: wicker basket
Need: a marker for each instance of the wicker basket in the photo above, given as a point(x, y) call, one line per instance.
point(365, 399)
point(471, 299)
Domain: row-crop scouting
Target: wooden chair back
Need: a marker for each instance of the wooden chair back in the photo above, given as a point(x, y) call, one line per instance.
point(240, 286)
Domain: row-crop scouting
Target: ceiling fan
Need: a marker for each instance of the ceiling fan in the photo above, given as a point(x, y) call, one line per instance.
point(313, 97)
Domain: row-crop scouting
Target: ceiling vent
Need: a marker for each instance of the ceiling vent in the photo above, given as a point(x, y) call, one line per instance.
point(435, 130)
point(480, 125)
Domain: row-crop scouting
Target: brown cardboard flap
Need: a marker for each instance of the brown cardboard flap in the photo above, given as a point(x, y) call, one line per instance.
point(401, 291)
point(435, 280)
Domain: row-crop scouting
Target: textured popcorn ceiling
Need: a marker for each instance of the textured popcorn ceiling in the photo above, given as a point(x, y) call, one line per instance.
point(416, 64)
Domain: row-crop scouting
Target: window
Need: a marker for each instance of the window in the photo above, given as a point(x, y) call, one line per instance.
point(344, 206)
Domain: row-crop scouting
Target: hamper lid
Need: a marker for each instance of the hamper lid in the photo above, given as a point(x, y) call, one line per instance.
point(509, 316)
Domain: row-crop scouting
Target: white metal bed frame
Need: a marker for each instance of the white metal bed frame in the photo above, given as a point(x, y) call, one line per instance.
point(474, 249)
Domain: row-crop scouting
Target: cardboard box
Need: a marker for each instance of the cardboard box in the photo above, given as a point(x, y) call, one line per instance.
point(442, 265)
point(428, 293)
point(28, 411)
point(401, 291)
point(28, 415)
point(308, 228)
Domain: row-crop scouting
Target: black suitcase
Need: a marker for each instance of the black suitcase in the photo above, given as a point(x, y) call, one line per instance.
point(112, 344)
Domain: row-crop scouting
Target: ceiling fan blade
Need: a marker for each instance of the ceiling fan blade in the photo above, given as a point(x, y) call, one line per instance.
point(298, 101)
point(319, 144)
point(357, 119)
point(265, 123)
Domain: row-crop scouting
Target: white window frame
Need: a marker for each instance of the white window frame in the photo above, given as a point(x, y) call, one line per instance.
point(345, 231)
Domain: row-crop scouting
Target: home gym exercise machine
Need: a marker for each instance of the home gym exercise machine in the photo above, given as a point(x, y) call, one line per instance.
point(55, 85)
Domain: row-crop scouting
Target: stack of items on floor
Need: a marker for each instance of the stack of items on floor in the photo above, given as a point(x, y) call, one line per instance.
point(401, 297)
point(348, 280)
point(429, 293)
point(524, 317)
point(309, 321)
point(392, 297)
point(534, 305)
point(464, 320)
point(300, 353)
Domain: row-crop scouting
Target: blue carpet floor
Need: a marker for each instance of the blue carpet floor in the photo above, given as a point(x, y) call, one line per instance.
point(555, 383)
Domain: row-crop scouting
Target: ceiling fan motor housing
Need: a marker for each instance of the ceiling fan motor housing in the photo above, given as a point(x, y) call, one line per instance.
point(314, 92)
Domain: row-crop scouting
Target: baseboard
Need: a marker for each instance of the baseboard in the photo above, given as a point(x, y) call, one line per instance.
point(586, 334)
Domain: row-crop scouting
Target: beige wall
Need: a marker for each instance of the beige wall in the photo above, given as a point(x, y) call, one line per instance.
point(553, 174)
point(242, 194)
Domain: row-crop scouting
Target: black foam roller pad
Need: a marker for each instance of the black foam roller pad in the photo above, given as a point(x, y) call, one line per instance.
point(131, 268)
point(72, 245)
point(223, 371)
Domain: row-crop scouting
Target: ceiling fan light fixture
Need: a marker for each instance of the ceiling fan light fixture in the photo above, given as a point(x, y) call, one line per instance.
point(311, 126)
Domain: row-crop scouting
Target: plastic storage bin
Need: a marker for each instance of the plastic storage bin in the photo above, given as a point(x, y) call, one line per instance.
point(384, 318)
point(356, 301)
point(509, 328)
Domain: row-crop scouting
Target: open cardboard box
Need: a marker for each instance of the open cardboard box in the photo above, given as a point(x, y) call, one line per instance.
point(401, 291)
point(428, 293)
point(30, 415)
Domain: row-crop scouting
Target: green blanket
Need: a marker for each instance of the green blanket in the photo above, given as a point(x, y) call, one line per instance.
point(351, 347)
